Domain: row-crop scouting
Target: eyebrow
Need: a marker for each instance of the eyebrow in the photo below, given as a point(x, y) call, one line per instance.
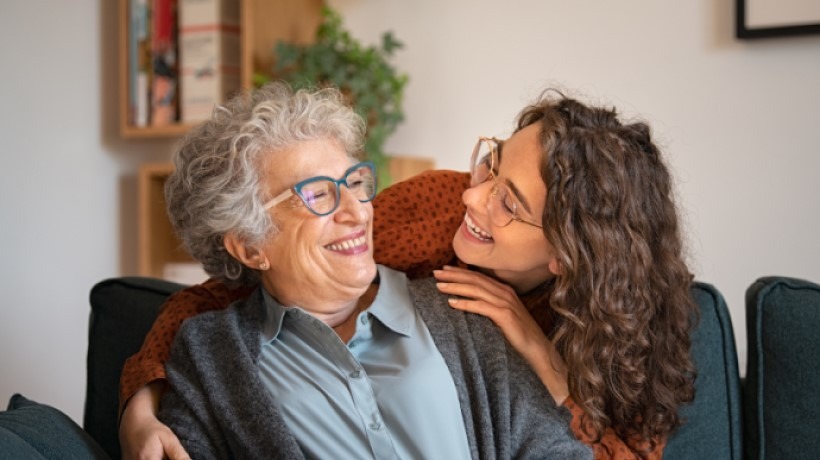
point(518, 195)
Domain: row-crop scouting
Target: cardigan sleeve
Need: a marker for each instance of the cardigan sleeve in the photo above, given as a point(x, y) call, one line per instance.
point(184, 408)
point(413, 226)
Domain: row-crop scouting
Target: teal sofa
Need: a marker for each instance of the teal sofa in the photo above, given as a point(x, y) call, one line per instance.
point(774, 417)
point(781, 397)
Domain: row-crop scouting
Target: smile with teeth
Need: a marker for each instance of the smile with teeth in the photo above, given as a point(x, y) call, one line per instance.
point(349, 244)
point(475, 230)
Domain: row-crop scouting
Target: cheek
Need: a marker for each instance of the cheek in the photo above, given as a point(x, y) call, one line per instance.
point(533, 246)
point(294, 241)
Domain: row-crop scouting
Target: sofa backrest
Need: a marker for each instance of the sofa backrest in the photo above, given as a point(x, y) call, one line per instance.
point(122, 312)
point(713, 425)
point(782, 390)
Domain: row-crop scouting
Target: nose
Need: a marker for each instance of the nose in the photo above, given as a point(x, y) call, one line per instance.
point(350, 208)
point(476, 197)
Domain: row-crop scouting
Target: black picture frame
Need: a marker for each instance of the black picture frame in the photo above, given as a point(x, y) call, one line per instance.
point(745, 31)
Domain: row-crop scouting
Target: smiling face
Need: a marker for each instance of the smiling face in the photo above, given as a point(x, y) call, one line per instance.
point(320, 263)
point(518, 254)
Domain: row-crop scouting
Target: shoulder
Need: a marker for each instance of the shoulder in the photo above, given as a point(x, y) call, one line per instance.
point(213, 327)
point(447, 323)
point(434, 183)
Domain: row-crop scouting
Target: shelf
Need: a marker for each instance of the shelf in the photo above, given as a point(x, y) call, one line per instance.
point(153, 132)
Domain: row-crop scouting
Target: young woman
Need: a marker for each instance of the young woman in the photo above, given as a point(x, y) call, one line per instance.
point(567, 237)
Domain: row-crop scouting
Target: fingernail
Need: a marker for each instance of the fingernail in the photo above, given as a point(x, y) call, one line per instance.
point(452, 301)
point(441, 285)
point(436, 272)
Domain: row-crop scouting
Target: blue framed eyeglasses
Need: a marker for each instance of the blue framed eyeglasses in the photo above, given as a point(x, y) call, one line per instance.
point(322, 194)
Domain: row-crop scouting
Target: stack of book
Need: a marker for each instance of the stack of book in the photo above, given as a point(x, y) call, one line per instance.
point(183, 59)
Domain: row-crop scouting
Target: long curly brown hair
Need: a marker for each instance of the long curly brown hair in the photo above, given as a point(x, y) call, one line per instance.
point(623, 310)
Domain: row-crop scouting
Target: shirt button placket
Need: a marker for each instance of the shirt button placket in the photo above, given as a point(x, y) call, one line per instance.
point(376, 425)
point(365, 402)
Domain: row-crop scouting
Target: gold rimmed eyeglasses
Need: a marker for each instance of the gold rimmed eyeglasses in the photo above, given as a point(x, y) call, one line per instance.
point(503, 208)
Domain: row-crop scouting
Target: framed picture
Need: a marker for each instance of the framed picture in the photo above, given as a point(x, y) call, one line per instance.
point(773, 18)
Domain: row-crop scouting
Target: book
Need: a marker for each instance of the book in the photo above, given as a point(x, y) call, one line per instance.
point(139, 63)
point(164, 107)
point(209, 54)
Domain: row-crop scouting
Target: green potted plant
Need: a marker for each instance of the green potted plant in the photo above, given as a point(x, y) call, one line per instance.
point(364, 74)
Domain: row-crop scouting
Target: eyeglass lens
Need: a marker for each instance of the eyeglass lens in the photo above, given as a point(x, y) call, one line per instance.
point(484, 161)
point(502, 209)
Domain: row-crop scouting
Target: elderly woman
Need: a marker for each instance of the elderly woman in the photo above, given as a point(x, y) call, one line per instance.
point(330, 357)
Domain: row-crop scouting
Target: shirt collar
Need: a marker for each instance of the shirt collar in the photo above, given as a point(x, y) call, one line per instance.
point(274, 315)
point(392, 306)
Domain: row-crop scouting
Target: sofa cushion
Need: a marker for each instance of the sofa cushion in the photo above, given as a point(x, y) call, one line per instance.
point(712, 423)
point(37, 431)
point(122, 312)
point(782, 391)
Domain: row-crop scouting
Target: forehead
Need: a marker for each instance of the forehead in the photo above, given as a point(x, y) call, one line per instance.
point(302, 160)
point(520, 164)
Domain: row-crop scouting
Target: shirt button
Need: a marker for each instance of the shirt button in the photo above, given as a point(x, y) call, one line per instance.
point(356, 374)
point(376, 426)
point(363, 319)
point(353, 343)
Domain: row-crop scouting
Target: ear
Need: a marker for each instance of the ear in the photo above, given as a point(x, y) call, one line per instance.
point(250, 256)
point(556, 267)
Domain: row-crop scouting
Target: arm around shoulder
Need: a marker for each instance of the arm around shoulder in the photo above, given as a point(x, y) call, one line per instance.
point(148, 365)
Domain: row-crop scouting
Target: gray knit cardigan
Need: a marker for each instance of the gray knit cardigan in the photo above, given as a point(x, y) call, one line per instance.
point(220, 409)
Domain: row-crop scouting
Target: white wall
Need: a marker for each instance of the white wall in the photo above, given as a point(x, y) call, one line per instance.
point(67, 190)
point(737, 121)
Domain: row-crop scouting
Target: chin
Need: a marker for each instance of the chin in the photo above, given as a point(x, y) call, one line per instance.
point(365, 274)
point(463, 250)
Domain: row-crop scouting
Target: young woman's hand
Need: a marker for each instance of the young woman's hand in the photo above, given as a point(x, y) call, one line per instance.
point(480, 294)
point(142, 435)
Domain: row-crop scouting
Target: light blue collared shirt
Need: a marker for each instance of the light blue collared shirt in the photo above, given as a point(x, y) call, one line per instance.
point(387, 393)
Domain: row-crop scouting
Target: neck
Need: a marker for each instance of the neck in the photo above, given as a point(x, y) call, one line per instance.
point(340, 314)
point(522, 284)
point(347, 327)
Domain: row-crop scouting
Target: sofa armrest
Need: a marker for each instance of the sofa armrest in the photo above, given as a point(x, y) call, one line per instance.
point(713, 425)
point(122, 312)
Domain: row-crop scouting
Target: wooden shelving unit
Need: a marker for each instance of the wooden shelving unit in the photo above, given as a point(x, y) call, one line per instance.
point(158, 244)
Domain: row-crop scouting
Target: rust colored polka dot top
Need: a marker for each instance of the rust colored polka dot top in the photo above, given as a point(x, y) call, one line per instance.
point(413, 227)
